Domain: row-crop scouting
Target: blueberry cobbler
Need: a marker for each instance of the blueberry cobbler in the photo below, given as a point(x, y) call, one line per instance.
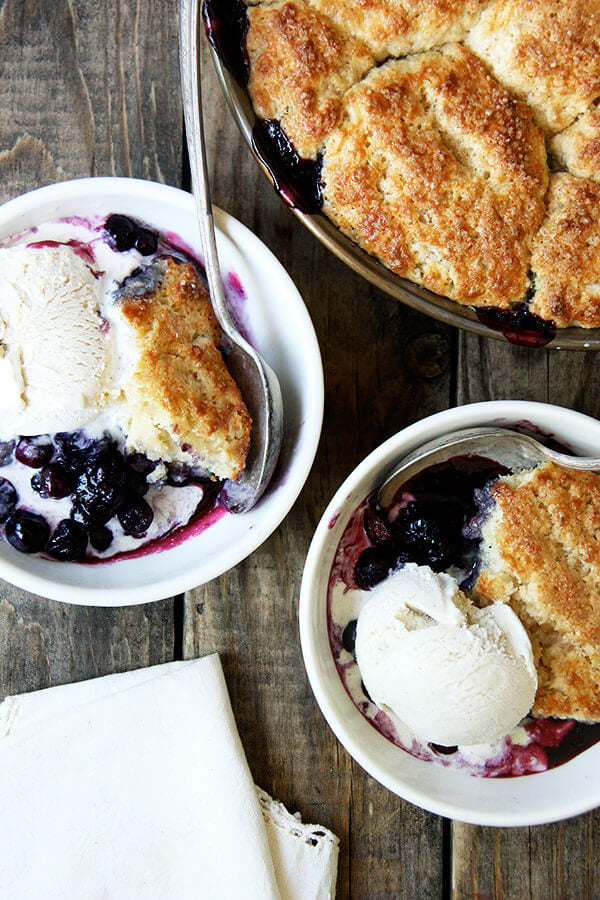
point(464, 618)
point(454, 140)
point(119, 421)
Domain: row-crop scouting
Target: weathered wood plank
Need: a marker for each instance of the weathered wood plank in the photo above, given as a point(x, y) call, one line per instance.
point(384, 366)
point(85, 88)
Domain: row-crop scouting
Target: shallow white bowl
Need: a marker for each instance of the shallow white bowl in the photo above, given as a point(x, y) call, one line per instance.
point(568, 790)
point(280, 328)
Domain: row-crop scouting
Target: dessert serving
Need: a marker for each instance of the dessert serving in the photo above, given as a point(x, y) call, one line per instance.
point(454, 142)
point(119, 420)
point(463, 619)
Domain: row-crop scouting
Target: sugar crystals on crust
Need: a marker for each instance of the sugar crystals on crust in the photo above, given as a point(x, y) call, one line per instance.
point(300, 65)
point(182, 403)
point(440, 172)
point(546, 51)
point(542, 556)
point(399, 27)
point(566, 254)
point(577, 148)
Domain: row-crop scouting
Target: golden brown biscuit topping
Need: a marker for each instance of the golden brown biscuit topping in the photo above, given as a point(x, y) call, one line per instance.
point(566, 254)
point(546, 51)
point(185, 404)
point(441, 173)
point(432, 163)
point(542, 555)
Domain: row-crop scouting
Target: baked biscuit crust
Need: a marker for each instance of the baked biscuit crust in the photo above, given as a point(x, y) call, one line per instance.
point(300, 66)
point(542, 556)
point(566, 254)
point(438, 171)
point(399, 27)
point(577, 149)
point(186, 405)
point(546, 51)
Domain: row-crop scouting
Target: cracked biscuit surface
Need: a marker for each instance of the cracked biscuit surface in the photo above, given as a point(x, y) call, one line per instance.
point(301, 64)
point(566, 254)
point(577, 148)
point(185, 406)
point(546, 51)
point(441, 173)
point(400, 27)
point(541, 555)
point(450, 198)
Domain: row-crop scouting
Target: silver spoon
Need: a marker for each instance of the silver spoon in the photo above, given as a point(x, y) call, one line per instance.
point(510, 448)
point(256, 380)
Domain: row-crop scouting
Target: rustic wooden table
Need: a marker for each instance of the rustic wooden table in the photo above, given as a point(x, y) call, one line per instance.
point(91, 88)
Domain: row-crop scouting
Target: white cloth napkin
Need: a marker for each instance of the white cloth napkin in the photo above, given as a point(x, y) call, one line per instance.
point(136, 786)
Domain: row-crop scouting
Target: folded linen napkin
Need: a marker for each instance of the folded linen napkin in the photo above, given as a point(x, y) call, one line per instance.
point(136, 785)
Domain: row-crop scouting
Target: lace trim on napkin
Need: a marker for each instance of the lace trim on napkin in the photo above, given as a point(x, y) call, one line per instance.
point(314, 835)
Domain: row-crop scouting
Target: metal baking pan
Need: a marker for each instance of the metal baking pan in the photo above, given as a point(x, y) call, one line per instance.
point(421, 299)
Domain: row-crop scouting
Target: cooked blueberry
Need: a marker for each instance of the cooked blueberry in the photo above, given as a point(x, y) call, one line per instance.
point(349, 636)
point(139, 462)
point(8, 498)
point(99, 488)
point(135, 517)
point(433, 541)
point(26, 531)
point(402, 555)
point(6, 452)
point(372, 566)
point(209, 496)
point(375, 527)
point(178, 475)
point(365, 691)
point(100, 537)
point(52, 481)
point(34, 451)
point(146, 241)
point(123, 231)
point(445, 751)
point(68, 542)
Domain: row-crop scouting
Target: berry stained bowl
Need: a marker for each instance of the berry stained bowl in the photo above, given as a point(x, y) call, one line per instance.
point(275, 320)
point(566, 790)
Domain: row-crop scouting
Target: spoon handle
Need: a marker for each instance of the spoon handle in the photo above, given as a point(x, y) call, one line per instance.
point(191, 87)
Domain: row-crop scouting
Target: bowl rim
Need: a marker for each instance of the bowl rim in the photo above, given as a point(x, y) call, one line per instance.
point(330, 692)
point(294, 477)
point(368, 267)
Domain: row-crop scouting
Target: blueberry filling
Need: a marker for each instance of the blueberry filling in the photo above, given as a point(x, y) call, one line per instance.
point(6, 452)
point(102, 484)
point(226, 23)
point(518, 325)
point(8, 498)
point(26, 531)
point(349, 636)
point(432, 522)
point(135, 516)
point(68, 542)
point(296, 180)
point(34, 451)
point(127, 234)
point(53, 480)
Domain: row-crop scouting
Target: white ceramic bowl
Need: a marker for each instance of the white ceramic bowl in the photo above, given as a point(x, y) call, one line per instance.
point(280, 328)
point(567, 790)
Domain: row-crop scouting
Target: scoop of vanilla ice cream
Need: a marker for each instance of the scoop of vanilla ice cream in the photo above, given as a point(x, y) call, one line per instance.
point(53, 347)
point(453, 673)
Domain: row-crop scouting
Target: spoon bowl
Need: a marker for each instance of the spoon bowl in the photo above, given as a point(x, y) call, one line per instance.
point(512, 449)
point(257, 381)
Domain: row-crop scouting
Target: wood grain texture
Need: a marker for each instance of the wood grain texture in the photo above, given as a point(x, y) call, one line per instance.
point(68, 109)
point(92, 88)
